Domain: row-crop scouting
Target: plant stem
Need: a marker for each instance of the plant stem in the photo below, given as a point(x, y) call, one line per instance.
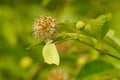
point(102, 51)
point(106, 53)
point(57, 42)
point(99, 50)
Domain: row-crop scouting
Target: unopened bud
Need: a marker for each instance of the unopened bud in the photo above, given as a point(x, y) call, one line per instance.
point(80, 25)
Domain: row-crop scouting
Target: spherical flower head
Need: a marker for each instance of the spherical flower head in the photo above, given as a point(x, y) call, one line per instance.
point(44, 27)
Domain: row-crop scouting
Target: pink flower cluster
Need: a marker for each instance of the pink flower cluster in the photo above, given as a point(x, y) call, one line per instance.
point(44, 27)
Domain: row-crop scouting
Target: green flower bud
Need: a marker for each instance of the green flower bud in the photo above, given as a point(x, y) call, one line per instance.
point(80, 25)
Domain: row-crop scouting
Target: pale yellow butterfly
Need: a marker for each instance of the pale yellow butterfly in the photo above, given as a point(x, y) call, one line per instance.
point(50, 54)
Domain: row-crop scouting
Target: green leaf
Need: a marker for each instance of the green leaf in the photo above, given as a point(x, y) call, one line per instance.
point(82, 38)
point(93, 68)
point(60, 37)
point(93, 28)
point(50, 54)
point(112, 43)
point(113, 40)
point(98, 28)
point(39, 42)
point(87, 40)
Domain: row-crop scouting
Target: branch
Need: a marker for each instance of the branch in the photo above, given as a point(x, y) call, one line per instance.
point(78, 39)
point(57, 42)
point(101, 51)
point(107, 53)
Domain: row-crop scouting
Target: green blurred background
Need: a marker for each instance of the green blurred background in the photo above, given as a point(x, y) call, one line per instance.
point(16, 23)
